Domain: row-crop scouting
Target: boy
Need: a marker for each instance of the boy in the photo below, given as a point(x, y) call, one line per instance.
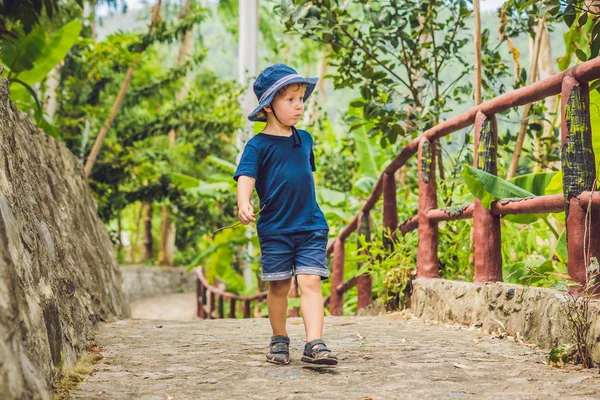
point(292, 230)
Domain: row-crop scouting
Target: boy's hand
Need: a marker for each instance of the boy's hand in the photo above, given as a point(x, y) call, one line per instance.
point(246, 214)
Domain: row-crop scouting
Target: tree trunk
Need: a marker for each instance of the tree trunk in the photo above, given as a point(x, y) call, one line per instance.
point(514, 163)
point(89, 9)
point(134, 243)
point(166, 251)
point(119, 233)
point(107, 124)
point(313, 110)
point(477, 37)
point(50, 102)
point(546, 69)
point(117, 104)
point(148, 249)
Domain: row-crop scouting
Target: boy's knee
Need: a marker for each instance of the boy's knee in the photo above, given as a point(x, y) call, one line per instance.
point(309, 283)
point(280, 287)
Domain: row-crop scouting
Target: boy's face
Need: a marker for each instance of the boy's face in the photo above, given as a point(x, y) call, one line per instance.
point(288, 105)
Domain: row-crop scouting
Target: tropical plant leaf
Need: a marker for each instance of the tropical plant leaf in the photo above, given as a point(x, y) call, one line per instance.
point(364, 185)
point(526, 272)
point(223, 164)
point(595, 123)
point(184, 181)
point(368, 166)
point(487, 187)
point(336, 212)
point(534, 183)
point(212, 190)
point(560, 250)
point(25, 51)
point(331, 197)
point(556, 184)
point(54, 51)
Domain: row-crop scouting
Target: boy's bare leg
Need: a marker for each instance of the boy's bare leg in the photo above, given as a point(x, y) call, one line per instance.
point(277, 302)
point(311, 305)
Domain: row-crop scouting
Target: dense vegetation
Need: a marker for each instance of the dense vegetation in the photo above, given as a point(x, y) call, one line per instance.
point(167, 101)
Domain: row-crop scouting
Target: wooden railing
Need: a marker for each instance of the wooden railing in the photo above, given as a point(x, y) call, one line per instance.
point(210, 297)
point(579, 176)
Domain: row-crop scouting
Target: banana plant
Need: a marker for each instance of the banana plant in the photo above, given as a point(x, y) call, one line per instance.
point(217, 185)
point(371, 157)
point(29, 58)
point(489, 188)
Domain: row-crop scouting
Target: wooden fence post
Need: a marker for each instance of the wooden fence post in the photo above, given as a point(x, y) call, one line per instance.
point(232, 307)
point(211, 305)
point(390, 207)
point(336, 305)
point(246, 308)
point(486, 226)
point(579, 174)
point(427, 257)
point(364, 282)
point(200, 299)
point(221, 308)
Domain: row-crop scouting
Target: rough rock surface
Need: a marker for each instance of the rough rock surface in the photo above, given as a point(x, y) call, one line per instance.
point(537, 315)
point(58, 275)
point(141, 281)
point(385, 357)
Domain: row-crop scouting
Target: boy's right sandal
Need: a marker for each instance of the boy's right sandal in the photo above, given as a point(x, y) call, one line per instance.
point(279, 350)
point(316, 352)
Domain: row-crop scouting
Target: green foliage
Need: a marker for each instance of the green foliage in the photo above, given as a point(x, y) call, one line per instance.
point(218, 257)
point(394, 55)
point(29, 58)
point(558, 356)
point(27, 14)
point(487, 187)
point(581, 16)
point(390, 270)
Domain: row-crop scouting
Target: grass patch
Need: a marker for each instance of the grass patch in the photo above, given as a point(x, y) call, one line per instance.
point(72, 377)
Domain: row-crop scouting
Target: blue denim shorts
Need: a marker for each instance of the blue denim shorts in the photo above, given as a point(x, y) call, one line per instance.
point(302, 253)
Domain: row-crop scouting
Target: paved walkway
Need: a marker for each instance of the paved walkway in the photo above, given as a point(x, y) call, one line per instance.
point(386, 357)
point(174, 307)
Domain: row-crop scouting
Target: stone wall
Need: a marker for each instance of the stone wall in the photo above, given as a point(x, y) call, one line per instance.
point(536, 315)
point(58, 275)
point(143, 281)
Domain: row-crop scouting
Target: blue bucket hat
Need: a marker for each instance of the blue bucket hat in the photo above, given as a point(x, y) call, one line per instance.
point(270, 81)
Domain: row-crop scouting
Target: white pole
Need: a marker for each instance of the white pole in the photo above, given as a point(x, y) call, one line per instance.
point(247, 69)
point(247, 63)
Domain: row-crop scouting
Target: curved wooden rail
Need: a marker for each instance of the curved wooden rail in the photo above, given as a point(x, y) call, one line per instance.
point(208, 296)
point(572, 84)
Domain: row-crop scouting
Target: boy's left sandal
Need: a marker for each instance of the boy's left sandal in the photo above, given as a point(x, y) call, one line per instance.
point(316, 352)
point(279, 350)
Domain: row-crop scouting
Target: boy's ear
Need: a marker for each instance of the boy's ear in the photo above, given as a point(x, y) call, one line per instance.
point(268, 108)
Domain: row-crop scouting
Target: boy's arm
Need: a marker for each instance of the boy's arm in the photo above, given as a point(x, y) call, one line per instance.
point(245, 187)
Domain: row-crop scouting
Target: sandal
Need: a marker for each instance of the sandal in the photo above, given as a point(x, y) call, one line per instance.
point(316, 352)
point(279, 350)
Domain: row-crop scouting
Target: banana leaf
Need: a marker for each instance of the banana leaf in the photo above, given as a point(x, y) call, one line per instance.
point(488, 188)
point(55, 49)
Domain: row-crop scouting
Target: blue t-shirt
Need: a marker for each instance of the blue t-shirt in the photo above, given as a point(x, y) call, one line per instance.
point(284, 183)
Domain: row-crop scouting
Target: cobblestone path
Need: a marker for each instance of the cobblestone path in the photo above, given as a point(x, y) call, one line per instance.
point(384, 357)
